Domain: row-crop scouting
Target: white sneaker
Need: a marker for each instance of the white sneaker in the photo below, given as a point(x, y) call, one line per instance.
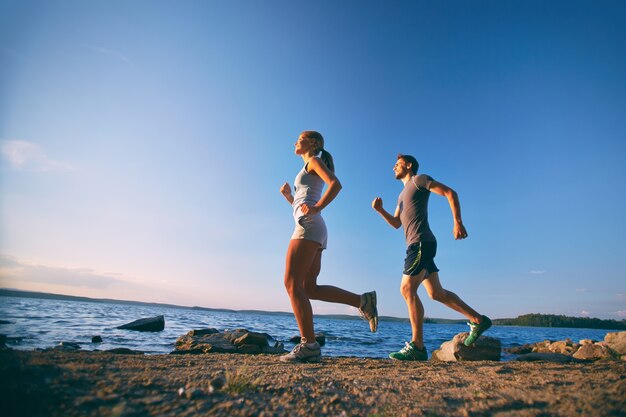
point(304, 352)
point(368, 310)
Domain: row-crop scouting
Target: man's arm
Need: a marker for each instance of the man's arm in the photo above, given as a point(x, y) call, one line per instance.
point(459, 231)
point(394, 221)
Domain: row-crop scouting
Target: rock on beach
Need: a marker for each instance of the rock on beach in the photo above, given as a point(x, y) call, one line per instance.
point(229, 341)
point(149, 324)
point(585, 350)
point(484, 349)
point(616, 341)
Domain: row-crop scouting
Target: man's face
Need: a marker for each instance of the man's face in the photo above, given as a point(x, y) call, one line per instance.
point(401, 169)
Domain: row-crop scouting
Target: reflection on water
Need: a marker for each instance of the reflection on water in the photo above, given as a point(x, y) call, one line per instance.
point(44, 323)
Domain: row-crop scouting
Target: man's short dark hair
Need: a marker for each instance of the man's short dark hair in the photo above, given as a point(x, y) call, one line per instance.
point(410, 160)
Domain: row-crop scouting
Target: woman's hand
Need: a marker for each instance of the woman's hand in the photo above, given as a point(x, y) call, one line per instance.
point(285, 190)
point(306, 209)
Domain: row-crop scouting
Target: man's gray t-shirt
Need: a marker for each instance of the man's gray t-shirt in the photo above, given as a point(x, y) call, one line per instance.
point(413, 204)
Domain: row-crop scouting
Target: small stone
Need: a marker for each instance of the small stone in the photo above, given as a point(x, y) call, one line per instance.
point(67, 346)
point(96, 339)
point(217, 383)
point(193, 393)
point(181, 391)
point(125, 351)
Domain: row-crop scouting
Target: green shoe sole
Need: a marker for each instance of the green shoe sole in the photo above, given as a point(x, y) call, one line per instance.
point(477, 330)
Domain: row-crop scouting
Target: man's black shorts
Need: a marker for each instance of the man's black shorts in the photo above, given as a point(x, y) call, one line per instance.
point(420, 256)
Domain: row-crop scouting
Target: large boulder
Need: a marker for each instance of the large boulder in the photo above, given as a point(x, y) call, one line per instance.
point(593, 351)
point(200, 332)
point(206, 343)
point(228, 341)
point(616, 341)
point(484, 349)
point(149, 324)
point(252, 338)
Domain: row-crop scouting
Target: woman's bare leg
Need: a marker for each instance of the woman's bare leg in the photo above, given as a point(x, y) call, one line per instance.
point(327, 293)
point(301, 254)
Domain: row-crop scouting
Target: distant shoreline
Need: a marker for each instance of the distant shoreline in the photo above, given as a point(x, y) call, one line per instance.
point(520, 321)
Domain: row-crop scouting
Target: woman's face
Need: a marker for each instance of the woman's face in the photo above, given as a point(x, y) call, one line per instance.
point(304, 145)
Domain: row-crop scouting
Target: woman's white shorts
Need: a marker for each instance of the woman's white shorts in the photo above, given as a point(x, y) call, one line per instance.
point(311, 227)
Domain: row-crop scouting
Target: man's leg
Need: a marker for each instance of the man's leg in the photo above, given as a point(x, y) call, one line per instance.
point(450, 299)
point(408, 289)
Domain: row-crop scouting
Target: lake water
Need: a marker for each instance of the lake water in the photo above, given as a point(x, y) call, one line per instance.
point(43, 323)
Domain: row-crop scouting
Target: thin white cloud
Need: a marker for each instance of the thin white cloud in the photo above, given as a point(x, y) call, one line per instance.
point(32, 276)
point(621, 296)
point(537, 271)
point(582, 290)
point(112, 53)
point(15, 270)
point(585, 313)
point(23, 155)
point(621, 313)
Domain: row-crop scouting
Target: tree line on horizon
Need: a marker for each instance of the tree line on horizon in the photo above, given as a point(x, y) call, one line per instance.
point(553, 320)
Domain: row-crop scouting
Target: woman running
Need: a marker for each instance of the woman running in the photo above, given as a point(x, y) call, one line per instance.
point(304, 254)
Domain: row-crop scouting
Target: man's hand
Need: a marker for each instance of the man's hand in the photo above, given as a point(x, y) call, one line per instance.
point(377, 204)
point(459, 231)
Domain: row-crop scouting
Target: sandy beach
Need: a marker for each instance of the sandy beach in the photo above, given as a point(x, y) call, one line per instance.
point(55, 383)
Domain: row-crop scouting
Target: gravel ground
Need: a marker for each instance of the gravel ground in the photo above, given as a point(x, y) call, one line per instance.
point(54, 383)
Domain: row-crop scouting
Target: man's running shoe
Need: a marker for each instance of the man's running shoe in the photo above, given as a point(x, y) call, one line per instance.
point(303, 352)
point(368, 311)
point(476, 329)
point(410, 352)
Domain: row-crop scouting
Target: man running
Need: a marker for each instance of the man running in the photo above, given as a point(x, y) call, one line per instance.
point(419, 266)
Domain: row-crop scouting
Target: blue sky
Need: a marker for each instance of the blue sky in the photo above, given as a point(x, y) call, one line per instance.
point(144, 143)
